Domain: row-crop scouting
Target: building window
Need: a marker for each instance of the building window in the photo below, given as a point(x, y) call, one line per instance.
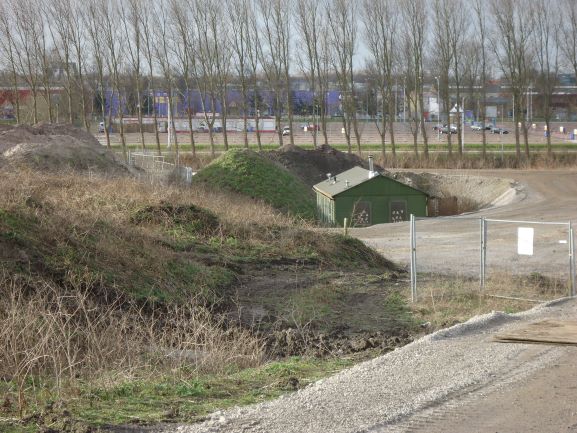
point(361, 214)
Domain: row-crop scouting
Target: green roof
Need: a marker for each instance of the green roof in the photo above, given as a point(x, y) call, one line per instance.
point(349, 179)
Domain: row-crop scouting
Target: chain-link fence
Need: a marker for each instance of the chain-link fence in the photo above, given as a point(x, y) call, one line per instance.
point(157, 168)
point(531, 260)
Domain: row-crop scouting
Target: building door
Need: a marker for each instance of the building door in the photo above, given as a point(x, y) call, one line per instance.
point(398, 211)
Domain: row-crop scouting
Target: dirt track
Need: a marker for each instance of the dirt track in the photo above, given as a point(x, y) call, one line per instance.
point(452, 246)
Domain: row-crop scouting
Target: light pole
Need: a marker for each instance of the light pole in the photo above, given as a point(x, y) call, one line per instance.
point(404, 107)
point(438, 110)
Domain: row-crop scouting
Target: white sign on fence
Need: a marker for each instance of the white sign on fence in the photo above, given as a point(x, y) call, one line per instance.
point(525, 241)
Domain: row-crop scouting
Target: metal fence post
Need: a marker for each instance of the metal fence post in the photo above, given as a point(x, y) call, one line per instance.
point(413, 259)
point(571, 259)
point(483, 236)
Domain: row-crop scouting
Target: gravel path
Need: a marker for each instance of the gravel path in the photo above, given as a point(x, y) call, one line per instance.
point(397, 391)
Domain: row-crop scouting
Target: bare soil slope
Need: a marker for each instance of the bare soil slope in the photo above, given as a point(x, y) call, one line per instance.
point(54, 147)
point(312, 166)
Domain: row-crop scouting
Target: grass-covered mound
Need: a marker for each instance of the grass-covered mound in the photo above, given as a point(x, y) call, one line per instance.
point(150, 242)
point(116, 292)
point(248, 173)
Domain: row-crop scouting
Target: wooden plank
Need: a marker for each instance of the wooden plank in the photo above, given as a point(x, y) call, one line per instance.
point(562, 332)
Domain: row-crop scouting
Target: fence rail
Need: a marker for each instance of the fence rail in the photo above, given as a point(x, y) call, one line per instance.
point(511, 247)
point(158, 168)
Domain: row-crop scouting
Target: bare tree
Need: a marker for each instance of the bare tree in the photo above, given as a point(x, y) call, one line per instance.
point(380, 21)
point(254, 56)
point(164, 39)
point(481, 27)
point(546, 40)
point(513, 22)
point(457, 36)
point(93, 22)
point(60, 32)
point(115, 53)
point(132, 32)
point(26, 30)
point(344, 33)
point(443, 58)
point(274, 16)
point(148, 43)
point(309, 23)
point(185, 55)
point(206, 71)
point(415, 25)
point(77, 37)
point(569, 41)
point(8, 48)
point(43, 48)
point(238, 12)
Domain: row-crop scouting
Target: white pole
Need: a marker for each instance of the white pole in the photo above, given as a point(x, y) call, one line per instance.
point(169, 126)
point(463, 125)
point(439, 110)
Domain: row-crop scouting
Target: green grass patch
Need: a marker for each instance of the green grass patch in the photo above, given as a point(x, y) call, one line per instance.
point(250, 174)
point(178, 398)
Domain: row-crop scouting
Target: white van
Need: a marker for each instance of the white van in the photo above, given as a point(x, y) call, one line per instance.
point(101, 128)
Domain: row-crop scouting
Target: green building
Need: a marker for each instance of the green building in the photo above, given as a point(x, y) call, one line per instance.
point(366, 197)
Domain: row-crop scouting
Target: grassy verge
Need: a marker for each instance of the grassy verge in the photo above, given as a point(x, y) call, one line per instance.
point(146, 400)
point(445, 301)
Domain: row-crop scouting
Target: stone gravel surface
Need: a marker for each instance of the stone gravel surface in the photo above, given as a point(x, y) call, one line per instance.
point(382, 394)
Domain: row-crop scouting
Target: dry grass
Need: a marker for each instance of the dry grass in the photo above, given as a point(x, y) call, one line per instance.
point(444, 301)
point(57, 338)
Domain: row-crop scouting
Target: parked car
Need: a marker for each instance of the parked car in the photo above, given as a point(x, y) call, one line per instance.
point(286, 131)
point(449, 129)
point(479, 126)
point(310, 127)
point(497, 130)
point(438, 127)
point(101, 128)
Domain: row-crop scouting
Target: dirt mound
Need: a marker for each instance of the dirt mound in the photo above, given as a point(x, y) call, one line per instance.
point(54, 147)
point(313, 165)
point(190, 217)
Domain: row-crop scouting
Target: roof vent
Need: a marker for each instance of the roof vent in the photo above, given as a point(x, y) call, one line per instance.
point(347, 183)
point(371, 167)
point(329, 177)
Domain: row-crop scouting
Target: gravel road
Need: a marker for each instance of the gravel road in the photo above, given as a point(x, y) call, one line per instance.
point(457, 379)
point(440, 375)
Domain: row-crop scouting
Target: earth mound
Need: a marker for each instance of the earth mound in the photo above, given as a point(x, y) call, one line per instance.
point(254, 175)
point(54, 147)
point(312, 166)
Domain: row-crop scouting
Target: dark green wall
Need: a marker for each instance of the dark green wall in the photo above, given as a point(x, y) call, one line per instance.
point(379, 192)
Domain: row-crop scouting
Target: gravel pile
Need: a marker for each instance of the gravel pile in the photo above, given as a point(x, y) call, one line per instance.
point(380, 395)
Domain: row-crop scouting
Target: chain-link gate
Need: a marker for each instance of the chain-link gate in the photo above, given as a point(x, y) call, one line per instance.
point(503, 258)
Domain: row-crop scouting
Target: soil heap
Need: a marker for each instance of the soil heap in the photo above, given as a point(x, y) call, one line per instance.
point(312, 166)
point(55, 147)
